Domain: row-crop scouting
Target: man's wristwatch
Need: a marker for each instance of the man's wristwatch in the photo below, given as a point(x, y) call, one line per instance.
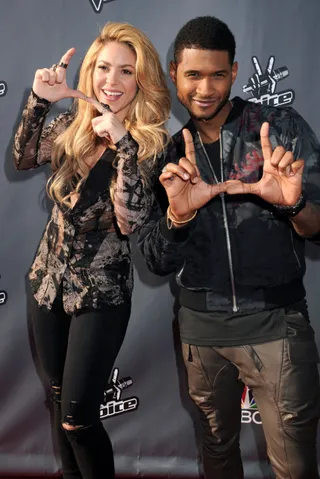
point(292, 211)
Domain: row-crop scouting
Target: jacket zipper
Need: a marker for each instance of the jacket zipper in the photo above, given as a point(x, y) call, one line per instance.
point(235, 307)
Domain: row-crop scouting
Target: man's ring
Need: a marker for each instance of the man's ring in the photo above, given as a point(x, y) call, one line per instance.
point(63, 65)
point(54, 67)
point(164, 169)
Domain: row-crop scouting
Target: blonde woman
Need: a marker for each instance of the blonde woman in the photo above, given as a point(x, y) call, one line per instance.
point(81, 278)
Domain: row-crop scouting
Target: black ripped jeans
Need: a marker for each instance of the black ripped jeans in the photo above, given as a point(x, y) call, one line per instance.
point(77, 354)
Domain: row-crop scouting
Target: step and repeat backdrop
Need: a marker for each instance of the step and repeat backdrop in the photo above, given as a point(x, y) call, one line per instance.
point(151, 420)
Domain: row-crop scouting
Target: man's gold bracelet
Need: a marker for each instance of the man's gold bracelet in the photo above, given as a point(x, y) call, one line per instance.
point(171, 219)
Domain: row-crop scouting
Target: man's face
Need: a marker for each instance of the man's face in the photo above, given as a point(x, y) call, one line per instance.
point(203, 79)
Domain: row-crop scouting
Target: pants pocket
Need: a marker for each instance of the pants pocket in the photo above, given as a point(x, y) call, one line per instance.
point(254, 356)
point(302, 352)
point(302, 347)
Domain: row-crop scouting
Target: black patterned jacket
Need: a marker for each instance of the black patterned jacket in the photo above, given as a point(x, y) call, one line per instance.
point(238, 252)
point(83, 249)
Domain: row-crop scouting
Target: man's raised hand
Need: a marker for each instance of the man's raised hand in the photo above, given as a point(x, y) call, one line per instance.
point(185, 189)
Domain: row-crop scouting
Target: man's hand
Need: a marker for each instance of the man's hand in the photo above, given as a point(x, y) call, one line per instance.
point(281, 182)
point(185, 189)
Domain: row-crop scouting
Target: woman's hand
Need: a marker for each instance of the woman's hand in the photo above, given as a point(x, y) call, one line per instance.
point(108, 126)
point(51, 83)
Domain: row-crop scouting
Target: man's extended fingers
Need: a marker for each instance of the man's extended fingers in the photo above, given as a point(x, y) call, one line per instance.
point(278, 154)
point(189, 146)
point(265, 142)
point(177, 170)
point(191, 169)
point(166, 179)
point(167, 175)
point(297, 167)
point(237, 187)
point(217, 189)
point(286, 160)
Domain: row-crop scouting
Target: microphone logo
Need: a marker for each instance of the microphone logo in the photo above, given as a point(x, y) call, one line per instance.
point(262, 85)
point(3, 88)
point(98, 4)
point(112, 403)
point(3, 297)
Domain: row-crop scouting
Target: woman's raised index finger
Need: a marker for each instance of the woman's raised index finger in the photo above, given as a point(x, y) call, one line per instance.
point(65, 59)
point(190, 151)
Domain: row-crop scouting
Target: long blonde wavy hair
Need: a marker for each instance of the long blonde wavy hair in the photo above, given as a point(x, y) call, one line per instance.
point(145, 120)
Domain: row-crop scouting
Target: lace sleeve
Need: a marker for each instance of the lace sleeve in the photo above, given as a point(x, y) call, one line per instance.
point(33, 143)
point(133, 197)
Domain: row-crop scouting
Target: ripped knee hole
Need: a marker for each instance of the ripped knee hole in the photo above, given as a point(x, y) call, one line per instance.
point(69, 427)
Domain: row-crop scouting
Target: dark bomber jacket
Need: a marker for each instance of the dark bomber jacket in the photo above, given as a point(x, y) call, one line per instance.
point(238, 254)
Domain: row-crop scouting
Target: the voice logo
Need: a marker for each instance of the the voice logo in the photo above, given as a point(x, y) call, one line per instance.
point(98, 4)
point(262, 85)
point(3, 88)
point(112, 403)
point(3, 297)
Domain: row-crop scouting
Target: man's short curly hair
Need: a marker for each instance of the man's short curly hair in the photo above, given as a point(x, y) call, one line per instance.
point(205, 33)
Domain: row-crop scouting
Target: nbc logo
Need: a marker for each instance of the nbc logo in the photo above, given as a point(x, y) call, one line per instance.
point(249, 409)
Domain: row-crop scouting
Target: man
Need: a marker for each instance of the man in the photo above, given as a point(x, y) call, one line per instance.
point(242, 182)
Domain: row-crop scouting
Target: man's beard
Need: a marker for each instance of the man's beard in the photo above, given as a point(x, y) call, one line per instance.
point(214, 114)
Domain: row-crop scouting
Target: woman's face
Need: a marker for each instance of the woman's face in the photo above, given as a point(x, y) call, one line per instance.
point(114, 78)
